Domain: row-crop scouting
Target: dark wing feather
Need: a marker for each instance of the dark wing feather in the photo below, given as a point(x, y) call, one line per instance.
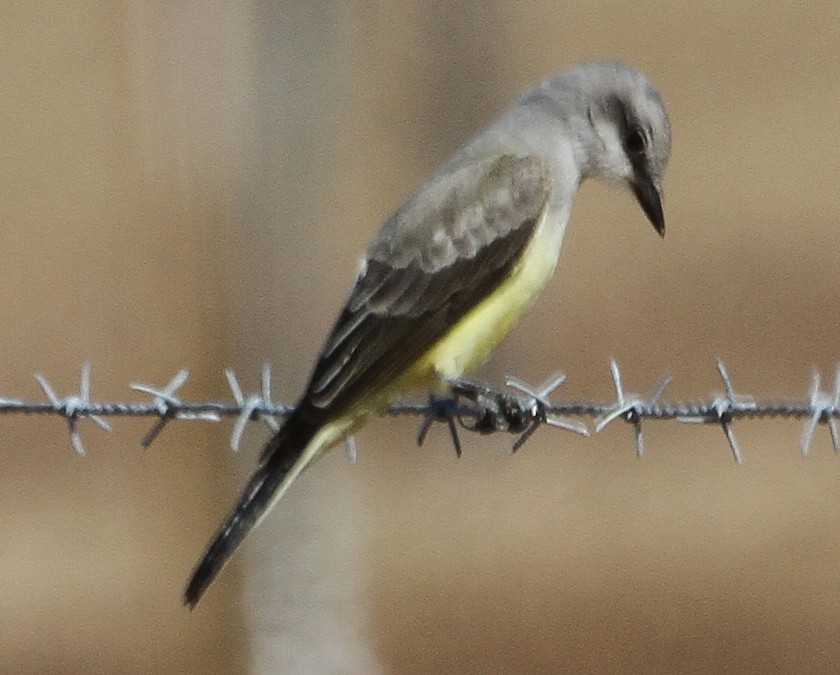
point(440, 255)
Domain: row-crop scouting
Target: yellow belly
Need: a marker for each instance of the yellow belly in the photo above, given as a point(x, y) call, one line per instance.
point(468, 345)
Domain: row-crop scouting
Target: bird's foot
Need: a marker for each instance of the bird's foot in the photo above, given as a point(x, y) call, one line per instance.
point(489, 410)
point(493, 410)
point(521, 413)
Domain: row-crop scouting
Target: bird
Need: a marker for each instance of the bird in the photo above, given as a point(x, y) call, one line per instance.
point(451, 272)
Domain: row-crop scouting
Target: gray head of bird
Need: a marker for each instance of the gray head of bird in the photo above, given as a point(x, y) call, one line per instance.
point(626, 136)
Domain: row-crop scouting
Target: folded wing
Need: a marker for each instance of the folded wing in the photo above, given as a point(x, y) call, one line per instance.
point(436, 258)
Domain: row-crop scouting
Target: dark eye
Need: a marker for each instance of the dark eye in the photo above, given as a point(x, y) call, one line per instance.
point(634, 142)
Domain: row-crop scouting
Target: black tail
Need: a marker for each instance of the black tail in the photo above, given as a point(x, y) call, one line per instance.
point(281, 454)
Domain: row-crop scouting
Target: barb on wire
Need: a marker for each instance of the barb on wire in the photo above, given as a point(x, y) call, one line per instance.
point(441, 410)
point(630, 407)
point(822, 406)
point(74, 406)
point(251, 406)
point(538, 407)
point(519, 410)
point(835, 404)
point(724, 405)
point(164, 400)
point(351, 449)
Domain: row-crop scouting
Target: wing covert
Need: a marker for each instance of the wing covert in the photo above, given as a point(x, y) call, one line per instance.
point(434, 260)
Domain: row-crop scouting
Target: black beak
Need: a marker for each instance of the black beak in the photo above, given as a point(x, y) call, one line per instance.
point(650, 200)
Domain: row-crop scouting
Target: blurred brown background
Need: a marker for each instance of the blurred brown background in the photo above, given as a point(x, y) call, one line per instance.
point(190, 184)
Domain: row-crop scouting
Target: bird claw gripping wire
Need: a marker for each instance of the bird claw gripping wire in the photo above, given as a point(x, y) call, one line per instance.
point(491, 411)
point(537, 409)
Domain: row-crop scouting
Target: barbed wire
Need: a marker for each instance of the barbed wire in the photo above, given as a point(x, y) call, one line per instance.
point(520, 410)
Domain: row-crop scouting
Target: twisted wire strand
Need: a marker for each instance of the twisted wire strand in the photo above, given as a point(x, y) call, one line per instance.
point(520, 409)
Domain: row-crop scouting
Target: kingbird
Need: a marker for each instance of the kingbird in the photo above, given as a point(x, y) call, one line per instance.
point(451, 272)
